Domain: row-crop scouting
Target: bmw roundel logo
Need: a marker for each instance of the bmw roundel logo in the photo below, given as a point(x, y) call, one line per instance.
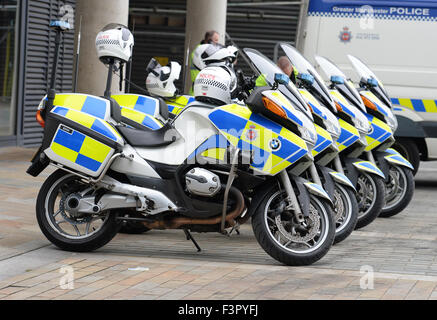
point(275, 144)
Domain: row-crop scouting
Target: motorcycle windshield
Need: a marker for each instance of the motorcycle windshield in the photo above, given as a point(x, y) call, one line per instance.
point(365, 73)
point(347, 88)
point(267, 69)
point(303, 66)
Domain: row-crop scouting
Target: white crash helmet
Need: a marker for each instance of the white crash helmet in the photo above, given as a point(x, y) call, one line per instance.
point(206, 54)
point(114, 41)
point(160, 81)
point(214, 85)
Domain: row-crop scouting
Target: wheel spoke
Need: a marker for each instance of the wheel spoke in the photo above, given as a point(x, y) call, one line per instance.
point(77, 230)
point(87, 229)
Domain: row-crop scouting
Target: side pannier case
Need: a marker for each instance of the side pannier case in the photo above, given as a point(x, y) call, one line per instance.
point(78, 133)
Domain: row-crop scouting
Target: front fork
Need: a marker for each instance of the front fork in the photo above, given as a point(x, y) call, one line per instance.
point(291, 196)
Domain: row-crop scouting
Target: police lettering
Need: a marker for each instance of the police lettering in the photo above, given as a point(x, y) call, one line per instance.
point(409, 11)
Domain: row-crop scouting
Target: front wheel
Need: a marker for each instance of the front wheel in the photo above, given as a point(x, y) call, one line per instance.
point(370, 198)
point(399, 191)
point(345, 210)
point(65, 227)
point(291, 242)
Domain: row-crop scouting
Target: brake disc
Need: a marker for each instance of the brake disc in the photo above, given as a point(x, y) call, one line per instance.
point(312, 225)
point(338, 205)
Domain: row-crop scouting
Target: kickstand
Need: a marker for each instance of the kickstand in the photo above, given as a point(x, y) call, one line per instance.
point(190, 237)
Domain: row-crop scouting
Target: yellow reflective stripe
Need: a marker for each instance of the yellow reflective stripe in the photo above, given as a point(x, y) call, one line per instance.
point(325, 134)
point(406, 103)
point(430, 105)
point(339, 97)
point(284, 101)
point(275, 164)
point(215, 153)
point(309, 97)
point(126, 100)
point(80, 117)
point(64, 152)
point(71, 101)
point(233, 140)
point(94, 149)
point(238, 110)
point(182, 100)
point(348, 127)
point(133, 115)
point(290, 136)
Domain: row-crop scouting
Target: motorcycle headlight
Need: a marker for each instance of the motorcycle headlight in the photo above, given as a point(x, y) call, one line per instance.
point(362, 125)
point(308, 134)
point(333, 128)
point(392, 121)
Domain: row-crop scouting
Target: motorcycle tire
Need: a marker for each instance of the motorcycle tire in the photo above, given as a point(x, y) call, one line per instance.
point(399, 191)
point(270, 239)
point(346, 219)
point(64, 184)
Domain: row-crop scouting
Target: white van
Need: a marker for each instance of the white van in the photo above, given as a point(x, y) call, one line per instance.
point(398, 41)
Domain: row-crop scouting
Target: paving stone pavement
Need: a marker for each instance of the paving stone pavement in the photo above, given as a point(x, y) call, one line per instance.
point(163, 265)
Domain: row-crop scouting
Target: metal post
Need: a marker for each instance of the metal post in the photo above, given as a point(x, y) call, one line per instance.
point(52, 90)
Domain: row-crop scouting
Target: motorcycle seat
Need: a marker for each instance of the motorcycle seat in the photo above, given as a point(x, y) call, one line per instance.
point(148, 137)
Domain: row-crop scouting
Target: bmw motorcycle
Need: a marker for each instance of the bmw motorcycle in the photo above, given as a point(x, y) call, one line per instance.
point(325, 150)
point(209, 170)
point(366, 177)
point(372, 100)
point(338, 186)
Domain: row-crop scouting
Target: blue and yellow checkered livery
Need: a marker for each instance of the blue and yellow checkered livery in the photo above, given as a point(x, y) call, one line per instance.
point(78, 151)
point(177, 104)
point(324, 140)
point(70, 145)
point(141, 118)
point(379, 133)
point(420, 105)
point(140, 109)
point(143, 104)
point(91, 105)
point(97, 125)
point(349, 134)
point(273, 147)
point(214, 148)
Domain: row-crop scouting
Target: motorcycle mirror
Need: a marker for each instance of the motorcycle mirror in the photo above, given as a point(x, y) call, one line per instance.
point(281, 78)
point(306, 78)
point(337, 80)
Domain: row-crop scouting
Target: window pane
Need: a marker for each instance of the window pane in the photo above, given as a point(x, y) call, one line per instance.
point(8, 14)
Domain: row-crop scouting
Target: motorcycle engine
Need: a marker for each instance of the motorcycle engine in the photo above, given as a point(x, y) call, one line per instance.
point(202, 182)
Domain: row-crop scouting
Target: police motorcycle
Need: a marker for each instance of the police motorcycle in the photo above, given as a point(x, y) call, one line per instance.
point(209, 170)
point(340, 187)
point(324, 150)
point(398, 172)
point(365, 175)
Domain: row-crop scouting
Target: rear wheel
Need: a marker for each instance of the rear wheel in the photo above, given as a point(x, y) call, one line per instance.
point(399, 191)
point(289, 241)
point(370, 198)
point(62, 226)
point(346, 212)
